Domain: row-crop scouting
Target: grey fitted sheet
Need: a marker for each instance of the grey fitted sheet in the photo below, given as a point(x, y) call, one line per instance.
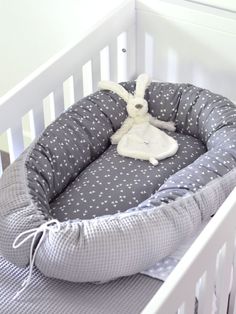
point(49, 296)
point(113, 183)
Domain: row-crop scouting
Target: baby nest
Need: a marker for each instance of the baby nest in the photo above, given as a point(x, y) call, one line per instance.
point(117, 216)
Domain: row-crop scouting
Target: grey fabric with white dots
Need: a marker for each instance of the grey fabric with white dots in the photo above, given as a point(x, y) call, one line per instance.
point(114, 184)
point(65, 161)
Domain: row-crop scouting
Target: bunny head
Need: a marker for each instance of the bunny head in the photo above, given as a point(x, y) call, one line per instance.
point(136, 104)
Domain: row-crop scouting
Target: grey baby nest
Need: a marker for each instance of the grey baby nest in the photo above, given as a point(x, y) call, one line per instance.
point(117, 216)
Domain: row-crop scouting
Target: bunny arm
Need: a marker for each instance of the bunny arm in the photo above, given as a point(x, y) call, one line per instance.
point(126, 126)
point(169, 126)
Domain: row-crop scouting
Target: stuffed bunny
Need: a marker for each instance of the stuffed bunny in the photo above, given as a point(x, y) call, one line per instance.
point(139, 136)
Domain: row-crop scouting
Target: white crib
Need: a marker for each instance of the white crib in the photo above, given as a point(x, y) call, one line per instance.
point(146, 36)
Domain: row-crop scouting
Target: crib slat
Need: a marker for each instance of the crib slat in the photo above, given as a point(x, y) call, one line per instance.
point(58, 100)
point(31, 125)
point(87, 78)
point(190, 304)
point(141, 50)
point(113, 60)
point(181, 310)
point(49, 109)
point(68, 91)
point(206, 292)
point(38, 119)
point(78, 85)
point(122, 57)
point(131, 53)
point(15, 141)
point(225, 278)
point(96, 71)
point(232, 300)
point(149, 55)
point(104, 58)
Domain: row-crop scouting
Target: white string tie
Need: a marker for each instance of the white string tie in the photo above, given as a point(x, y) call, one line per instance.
point(33, 233)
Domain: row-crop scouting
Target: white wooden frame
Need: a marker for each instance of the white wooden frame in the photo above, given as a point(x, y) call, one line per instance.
point(29, 95)
point(215, 245)
point(135, 44)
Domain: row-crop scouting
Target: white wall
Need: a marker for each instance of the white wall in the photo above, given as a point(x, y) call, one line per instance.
point(32, 31)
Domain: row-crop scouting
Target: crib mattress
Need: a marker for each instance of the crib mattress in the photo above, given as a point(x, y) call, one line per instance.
point(124, 295)
point(113, 184)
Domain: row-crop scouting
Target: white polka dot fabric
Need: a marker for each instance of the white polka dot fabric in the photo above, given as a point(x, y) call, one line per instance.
point(138, 221)
point(113, 184)
point(162, 269)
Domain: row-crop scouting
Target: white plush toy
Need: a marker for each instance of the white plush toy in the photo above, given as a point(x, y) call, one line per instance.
point(139, 136)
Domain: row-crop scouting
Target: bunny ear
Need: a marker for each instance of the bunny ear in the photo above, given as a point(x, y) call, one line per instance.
point(142, 83)
point(114, 87)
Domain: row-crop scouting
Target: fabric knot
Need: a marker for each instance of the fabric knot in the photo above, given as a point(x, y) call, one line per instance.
point(33, 234)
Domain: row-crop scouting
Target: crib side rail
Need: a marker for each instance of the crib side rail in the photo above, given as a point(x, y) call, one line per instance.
point(205, 272)
point(69, 76)
point(187, 41)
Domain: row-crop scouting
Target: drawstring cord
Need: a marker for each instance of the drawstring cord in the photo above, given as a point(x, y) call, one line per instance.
point(33, 233)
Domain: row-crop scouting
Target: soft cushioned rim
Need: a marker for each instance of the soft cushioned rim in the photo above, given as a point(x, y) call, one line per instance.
point(18, 211)
point(108, 247)
point(105, 248)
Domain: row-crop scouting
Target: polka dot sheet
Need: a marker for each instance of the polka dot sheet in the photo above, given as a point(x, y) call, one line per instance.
point(113, 183)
